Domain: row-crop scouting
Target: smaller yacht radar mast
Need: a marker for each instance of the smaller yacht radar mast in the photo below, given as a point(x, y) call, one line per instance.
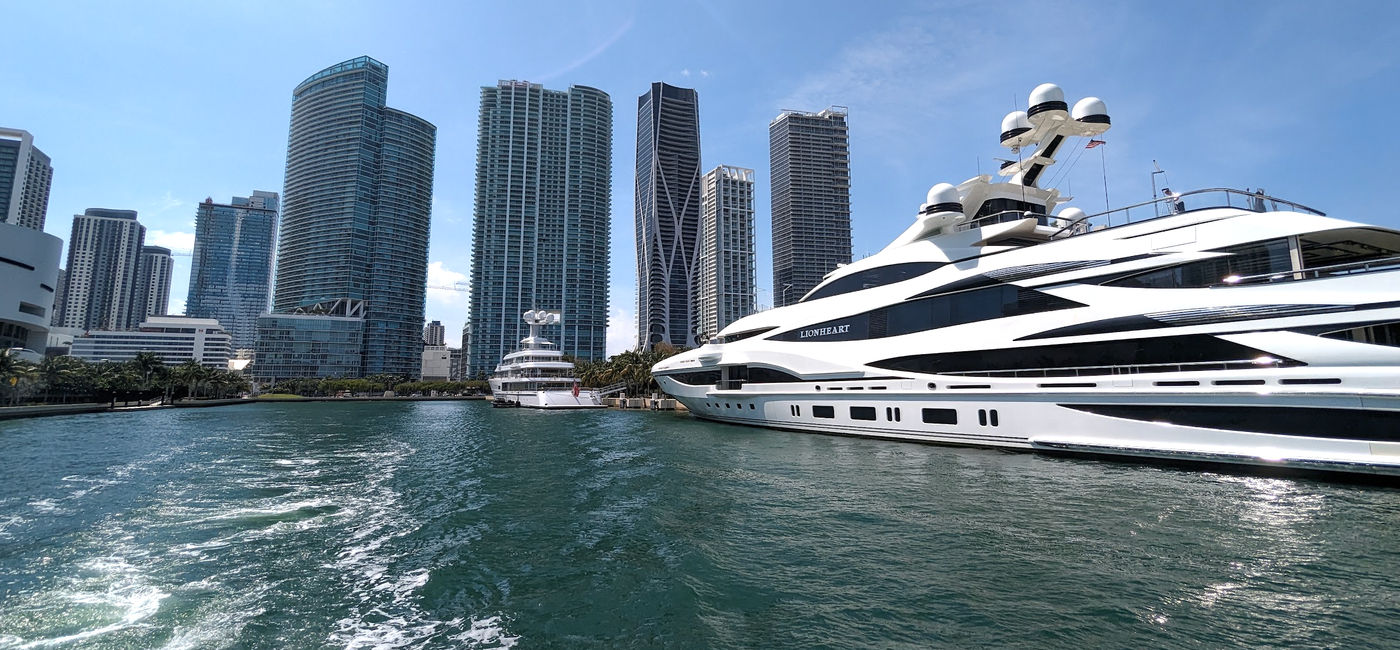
point(537, 318)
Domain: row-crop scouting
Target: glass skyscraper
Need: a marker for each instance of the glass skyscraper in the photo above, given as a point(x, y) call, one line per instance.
point(811, 165)
point(231, 270)
point(541, 225)
point(725, 275)
point(355, 215)
point(667, 207)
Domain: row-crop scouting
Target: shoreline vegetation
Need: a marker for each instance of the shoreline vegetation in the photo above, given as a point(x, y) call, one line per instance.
point(64, 385)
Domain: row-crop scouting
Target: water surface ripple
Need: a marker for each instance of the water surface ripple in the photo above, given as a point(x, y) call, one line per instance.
point(427, 525)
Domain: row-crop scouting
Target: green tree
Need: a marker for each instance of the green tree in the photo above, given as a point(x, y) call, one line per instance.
point(191, 375)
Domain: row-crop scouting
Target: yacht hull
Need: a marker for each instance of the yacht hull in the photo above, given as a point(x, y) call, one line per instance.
point(1318, 432)
point(550, 399)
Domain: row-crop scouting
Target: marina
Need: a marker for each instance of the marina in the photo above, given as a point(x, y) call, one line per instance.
point(450, 524)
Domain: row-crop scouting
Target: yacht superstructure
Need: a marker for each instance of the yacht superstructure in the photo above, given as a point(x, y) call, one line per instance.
point(1215, 325)
point(537, 376)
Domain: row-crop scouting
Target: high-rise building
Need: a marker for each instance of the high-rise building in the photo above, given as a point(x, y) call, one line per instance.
point(151, 293)
point(355, 214)
point(667, 206)
point(231, 271)
point(810, 160)
point(725, 281)
point(541, 223)
point(104, 257)
point(25, 177)
point(434, 333)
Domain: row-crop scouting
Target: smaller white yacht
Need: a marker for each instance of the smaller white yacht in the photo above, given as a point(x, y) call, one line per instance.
point(537, 376)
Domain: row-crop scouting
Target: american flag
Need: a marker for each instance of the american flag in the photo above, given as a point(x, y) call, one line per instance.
point(1094, 143)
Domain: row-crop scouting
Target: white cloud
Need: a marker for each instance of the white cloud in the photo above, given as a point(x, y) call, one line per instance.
point(179, 242)
point(704, 73)
point(685, 72)
point(162, 205)
point(622, 330)
point(441, 276)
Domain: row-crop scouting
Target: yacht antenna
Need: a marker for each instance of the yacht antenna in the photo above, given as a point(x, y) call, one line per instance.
point(1103, 162)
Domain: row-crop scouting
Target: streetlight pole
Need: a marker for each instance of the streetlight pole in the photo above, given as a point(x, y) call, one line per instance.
point(785, 290)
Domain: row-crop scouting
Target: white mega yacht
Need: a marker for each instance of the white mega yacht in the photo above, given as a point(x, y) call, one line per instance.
point(537, 376)
point(1216, 325)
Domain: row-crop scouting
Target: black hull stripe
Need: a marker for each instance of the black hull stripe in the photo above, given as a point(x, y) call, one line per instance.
point(1311, 422)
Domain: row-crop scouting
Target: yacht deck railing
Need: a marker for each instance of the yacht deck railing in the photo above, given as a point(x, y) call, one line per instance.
point(1166, 206)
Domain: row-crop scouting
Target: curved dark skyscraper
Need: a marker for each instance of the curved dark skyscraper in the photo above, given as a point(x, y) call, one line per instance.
point(668, 214)
point(356, 206)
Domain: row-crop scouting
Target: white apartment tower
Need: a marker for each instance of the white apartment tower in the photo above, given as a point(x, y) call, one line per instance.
point(725, 284)
point(25, 177)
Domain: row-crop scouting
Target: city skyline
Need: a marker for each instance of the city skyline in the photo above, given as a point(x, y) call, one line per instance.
point(919, 82)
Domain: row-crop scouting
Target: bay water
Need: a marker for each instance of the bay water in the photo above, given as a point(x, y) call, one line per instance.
point(450, 524)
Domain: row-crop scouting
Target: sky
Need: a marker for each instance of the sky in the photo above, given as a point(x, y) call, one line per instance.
point(154, 106)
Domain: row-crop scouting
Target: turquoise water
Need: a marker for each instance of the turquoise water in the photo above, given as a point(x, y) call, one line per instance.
point(441, 524)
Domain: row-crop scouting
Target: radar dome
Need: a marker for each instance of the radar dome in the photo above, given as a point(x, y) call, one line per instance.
point(1047, 102)
point(1090, 109)
point(1071, 214)
point(1014, 127)
point(942, 198)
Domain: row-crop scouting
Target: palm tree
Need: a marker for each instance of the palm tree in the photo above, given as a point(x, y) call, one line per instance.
point(8, 367)
point(191, 374)
point(147, 365)
point(60, 373)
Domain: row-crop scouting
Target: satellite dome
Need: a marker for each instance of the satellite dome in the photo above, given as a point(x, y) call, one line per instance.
point(1047, 101)
point(1090, 110)
point(942, 198)
point(1071, 214)
point(1015, 124)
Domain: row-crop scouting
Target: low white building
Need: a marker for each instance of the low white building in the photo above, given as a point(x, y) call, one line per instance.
point(437, 363)
point(175, 339)
point(28, 279)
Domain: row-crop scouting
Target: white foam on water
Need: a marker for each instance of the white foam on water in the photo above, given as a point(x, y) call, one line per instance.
point(487, 632)
point(46, 506)
point(7, 522)
point(136, 601)
point(222, 626)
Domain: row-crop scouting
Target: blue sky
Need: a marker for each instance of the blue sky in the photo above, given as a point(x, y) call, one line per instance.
point(155, 106)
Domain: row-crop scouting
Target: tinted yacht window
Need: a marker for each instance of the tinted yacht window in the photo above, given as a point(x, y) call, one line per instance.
point(931, 313)
point(877, 277)
point(1250, 259)
point(1347, 245)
